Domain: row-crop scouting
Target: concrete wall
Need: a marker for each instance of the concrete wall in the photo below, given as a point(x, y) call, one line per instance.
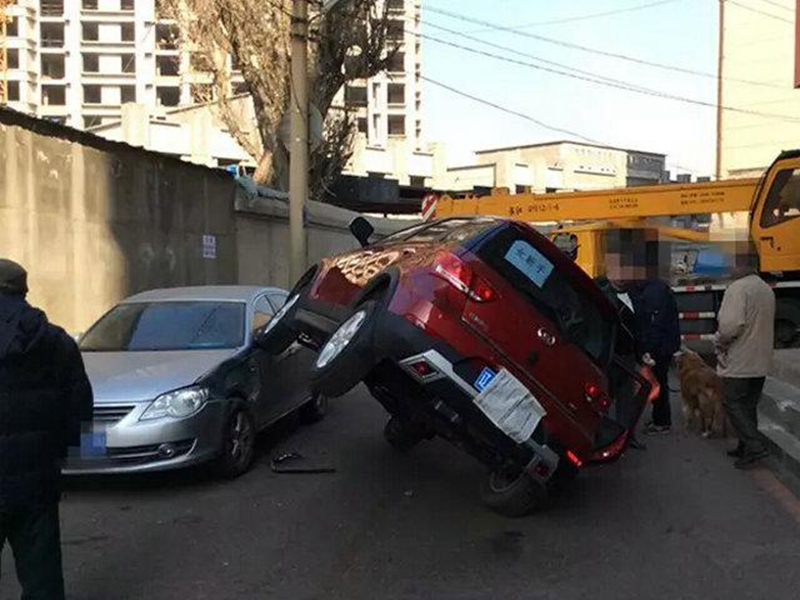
point(94, 221)
point(262, 229)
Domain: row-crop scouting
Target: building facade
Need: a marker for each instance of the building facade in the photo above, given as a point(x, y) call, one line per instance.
point(554, 166)
point(758, 67)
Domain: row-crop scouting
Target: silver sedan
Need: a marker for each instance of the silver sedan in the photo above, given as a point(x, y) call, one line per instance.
point(178, 380)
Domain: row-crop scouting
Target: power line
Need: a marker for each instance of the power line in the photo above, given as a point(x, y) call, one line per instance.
point(609, 83)
point(571, 45)
point(509, 110)
point(760, 12)
point(779, 5)
point(534, 57)
point(596, 15)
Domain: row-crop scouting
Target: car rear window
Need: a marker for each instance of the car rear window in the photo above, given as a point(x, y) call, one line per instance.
point(446, 230)
point(553, 291)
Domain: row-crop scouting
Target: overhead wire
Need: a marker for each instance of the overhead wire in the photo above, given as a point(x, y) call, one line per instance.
point(778, 5)
point(758, 11)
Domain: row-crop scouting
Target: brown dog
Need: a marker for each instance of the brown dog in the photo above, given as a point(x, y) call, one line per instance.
point(701, 390)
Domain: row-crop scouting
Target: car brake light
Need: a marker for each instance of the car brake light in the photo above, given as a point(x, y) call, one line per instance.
point(597, 397)
point(573, 458)
point(459, 274)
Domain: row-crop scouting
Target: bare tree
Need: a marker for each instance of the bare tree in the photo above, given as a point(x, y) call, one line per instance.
point(346, 43)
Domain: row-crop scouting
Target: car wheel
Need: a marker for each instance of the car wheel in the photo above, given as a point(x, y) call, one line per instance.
point(348, 355)
point(238, 444)
point(399, 435)
point(315, 409)
point(279, 332)
point(514, 496)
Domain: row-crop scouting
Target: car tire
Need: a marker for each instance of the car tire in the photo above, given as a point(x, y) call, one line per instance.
point(238, 444)
point(315, 409)
point(279, 332)
point(399, 435)
point(515, 497)
point(348, 355)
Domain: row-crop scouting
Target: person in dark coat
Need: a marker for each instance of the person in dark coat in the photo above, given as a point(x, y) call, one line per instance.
point(632, 262)
point(44, 397)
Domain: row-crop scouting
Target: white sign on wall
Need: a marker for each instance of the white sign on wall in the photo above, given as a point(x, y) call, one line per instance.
point(210, 246)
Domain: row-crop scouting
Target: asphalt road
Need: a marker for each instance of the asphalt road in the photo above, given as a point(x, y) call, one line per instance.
point(675, 521)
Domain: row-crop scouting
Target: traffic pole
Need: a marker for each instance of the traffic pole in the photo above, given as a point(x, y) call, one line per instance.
point(298, 161)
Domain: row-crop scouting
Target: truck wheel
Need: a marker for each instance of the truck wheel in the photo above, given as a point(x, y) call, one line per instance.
point(399, 436)
point(514, 497)
point(787, 324)
point(349, 354)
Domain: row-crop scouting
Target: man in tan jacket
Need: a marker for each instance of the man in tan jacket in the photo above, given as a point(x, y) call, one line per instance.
point(744, 344)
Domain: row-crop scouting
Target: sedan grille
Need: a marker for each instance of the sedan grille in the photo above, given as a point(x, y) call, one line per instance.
point(111, 414)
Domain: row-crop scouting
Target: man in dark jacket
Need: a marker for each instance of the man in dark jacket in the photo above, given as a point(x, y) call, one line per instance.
point(44, 397)
point(633, 262)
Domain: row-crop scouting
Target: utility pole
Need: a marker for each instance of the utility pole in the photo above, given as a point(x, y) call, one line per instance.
point(298, 160)
point(719, 87)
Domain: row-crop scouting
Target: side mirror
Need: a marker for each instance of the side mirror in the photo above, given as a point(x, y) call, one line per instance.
point(362, 230)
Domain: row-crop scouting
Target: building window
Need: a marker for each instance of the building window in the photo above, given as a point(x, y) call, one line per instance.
point(399, 5)
point(167, 36)
point(168, 96)
point(12, 58)
point(127, 93)
point(397, 125)
point(128, 5)
point(397, 63)
point(59, 120)
point(54, 95)
point(53, 66)
point(239, 87)
point(361, 123)
point(91, 94)
point(395, 30)
point(52, 35)
point(168, 66)
point(200, 63)
point(128, 32)
point(396, 93)
point(91, 63)
point(13, 91)
point(52, 8)
point(12, 27)
point(92, 121)
point(355, 95)
point(128, 63)
point(90, 32)
point(89, 5)
point(416, 181)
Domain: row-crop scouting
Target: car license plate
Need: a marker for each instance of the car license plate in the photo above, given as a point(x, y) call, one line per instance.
point(93, 444)
point(510, 406)
point(484, 379)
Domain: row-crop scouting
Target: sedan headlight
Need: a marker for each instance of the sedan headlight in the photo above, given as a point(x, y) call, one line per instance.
point(177, 404)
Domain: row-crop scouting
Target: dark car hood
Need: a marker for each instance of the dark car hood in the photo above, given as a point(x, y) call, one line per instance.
point(142, 376)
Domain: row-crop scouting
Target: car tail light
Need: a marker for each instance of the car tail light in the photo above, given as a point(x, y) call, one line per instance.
point(655, 386)
point(460, 275)
point(573, 458)
point(597, 397)
point(613, 450)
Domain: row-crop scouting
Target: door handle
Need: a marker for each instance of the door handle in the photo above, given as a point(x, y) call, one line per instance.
point(769, 239)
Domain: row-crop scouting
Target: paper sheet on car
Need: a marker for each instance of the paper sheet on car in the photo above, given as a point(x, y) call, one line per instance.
point(510, 406)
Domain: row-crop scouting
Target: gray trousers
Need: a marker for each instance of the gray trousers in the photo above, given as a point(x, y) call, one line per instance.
point(741, 398)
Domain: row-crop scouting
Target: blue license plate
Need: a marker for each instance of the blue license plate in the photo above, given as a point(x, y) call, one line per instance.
point(484, 379)
point(93, 444)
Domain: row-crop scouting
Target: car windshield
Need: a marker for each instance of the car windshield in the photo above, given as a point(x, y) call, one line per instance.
point(153, 326)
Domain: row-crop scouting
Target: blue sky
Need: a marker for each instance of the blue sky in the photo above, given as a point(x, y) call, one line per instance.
point(675, 32)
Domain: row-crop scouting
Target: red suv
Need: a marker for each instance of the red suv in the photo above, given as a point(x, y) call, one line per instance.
point(480, 331)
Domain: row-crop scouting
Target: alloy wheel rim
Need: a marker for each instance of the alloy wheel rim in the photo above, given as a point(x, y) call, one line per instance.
point(240, 438)
point(341, 338)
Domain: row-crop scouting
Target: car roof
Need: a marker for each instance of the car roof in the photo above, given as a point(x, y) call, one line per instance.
point(219, 293)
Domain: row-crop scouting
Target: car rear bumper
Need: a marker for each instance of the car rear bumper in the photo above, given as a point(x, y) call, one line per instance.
point(134, 446)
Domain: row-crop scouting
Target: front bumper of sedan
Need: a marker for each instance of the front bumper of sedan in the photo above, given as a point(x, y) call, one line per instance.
point(134, 446)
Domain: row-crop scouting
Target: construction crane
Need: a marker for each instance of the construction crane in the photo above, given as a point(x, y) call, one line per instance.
point(584, 219)
point(4, 50)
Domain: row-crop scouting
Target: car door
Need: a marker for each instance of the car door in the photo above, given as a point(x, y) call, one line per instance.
point(275, 388)
point(296, 362)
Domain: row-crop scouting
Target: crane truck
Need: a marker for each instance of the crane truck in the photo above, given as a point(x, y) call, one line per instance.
point(583, 219)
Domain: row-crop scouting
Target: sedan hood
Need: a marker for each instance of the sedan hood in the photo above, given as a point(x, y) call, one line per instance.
point(142, 376)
